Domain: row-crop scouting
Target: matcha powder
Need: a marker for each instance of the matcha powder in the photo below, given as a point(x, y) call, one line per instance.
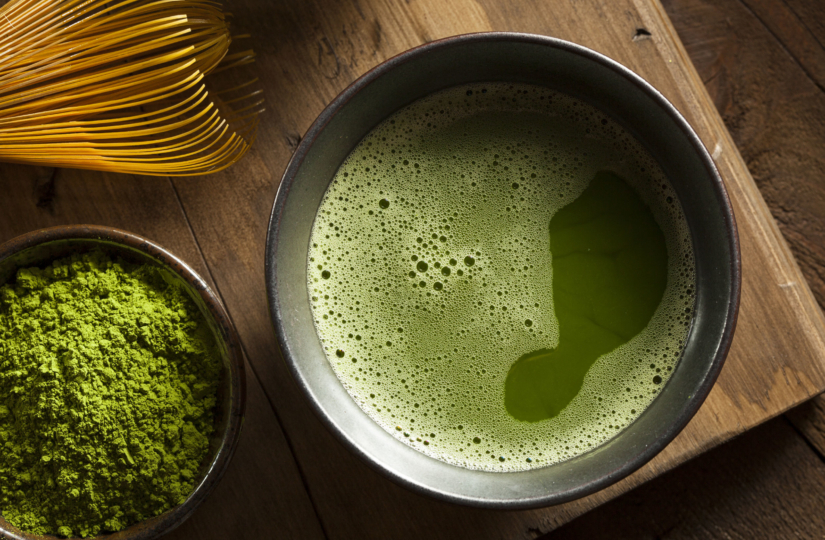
point(108, 379)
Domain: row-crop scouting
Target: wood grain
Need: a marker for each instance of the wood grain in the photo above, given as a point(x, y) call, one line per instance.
point(776, 115)
point(774, 493)
point(311, 51)
point(763, 63)
point(773, 103)
point(290, 477)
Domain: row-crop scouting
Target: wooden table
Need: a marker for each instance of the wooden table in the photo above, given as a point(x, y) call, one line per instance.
point(763, 64)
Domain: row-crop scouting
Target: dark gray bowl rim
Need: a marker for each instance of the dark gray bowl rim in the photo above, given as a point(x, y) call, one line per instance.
point(732, 306)
point(175, 516)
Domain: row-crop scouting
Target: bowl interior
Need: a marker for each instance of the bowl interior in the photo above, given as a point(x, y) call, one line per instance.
point(39, 249)
point(563, 67)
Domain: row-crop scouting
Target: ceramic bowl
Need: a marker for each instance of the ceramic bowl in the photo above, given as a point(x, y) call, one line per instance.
point(39, 248)
point(564, 67)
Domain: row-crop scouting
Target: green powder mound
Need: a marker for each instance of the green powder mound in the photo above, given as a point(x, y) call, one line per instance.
point(108, 381)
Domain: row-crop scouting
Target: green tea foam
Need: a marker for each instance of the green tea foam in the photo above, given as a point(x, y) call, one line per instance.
point(430, 273)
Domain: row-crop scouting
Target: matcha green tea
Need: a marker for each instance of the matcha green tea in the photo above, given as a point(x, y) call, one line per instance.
point(501, 276)
point(108, 382)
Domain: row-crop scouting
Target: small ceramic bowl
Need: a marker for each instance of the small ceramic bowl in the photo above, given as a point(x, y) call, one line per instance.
point(570, 69)
point(39, 248)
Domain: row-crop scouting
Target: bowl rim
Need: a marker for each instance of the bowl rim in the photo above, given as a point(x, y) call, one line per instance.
point(719, 191)
point(175, 516)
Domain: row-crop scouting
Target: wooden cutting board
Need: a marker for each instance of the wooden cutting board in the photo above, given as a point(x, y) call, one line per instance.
point(290, 477)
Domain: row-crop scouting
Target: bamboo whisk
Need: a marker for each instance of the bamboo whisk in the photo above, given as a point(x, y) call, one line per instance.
point(119, 86)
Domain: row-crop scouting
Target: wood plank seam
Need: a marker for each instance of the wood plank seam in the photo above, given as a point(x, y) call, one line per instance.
point(371, 505)
point(814, 448)
point(779, 250)
point(249, 365)
point(782, 43)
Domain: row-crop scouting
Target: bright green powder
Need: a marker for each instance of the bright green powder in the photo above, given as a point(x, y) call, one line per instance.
point(108, 379)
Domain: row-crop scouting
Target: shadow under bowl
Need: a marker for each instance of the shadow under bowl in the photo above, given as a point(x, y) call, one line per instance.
point(618, 93)
point(40, 248)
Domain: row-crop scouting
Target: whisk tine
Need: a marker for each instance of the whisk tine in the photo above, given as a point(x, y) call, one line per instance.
point(118, 86)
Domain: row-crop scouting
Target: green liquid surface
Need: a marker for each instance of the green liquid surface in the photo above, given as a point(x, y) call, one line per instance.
point(609, 275)
point(501, 277)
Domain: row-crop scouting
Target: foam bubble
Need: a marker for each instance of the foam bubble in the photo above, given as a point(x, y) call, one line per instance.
point(430, 273)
